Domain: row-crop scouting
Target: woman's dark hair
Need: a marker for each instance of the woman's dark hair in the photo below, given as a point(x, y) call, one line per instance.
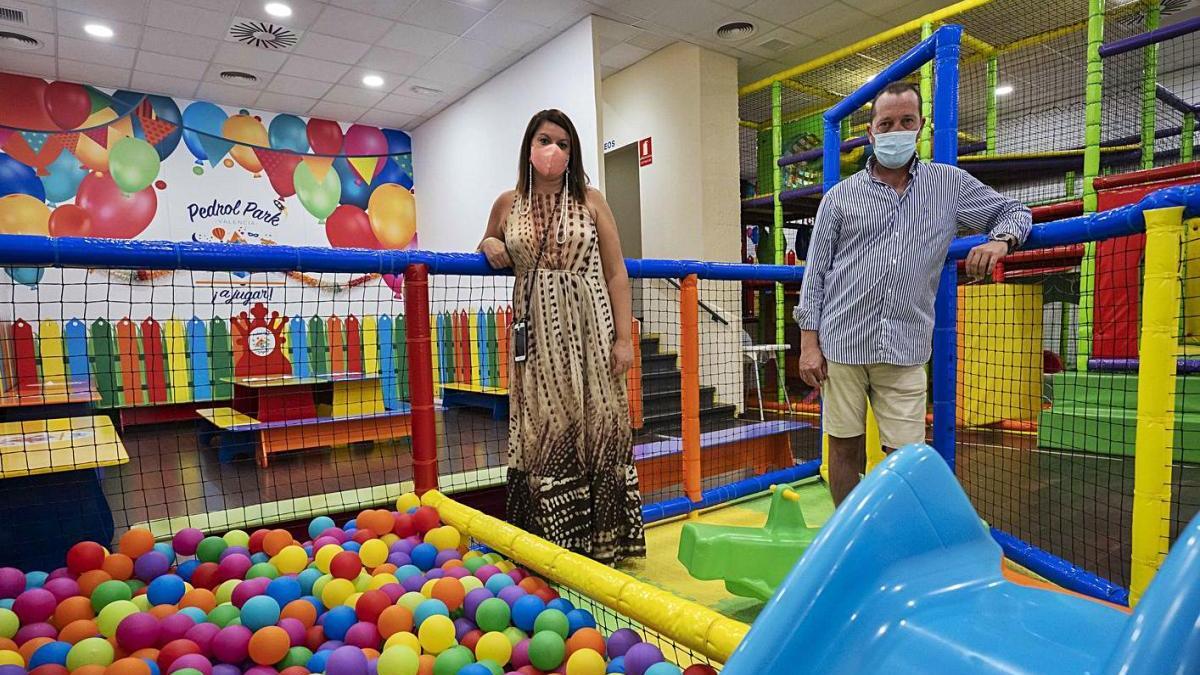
point(575, 173)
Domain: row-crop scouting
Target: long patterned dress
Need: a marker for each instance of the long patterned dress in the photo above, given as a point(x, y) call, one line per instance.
point(571, 477)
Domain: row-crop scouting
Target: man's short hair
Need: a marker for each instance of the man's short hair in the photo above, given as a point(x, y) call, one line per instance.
point(897, 88)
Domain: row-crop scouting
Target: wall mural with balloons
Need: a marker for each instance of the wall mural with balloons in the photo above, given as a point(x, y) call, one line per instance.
point(77, 160)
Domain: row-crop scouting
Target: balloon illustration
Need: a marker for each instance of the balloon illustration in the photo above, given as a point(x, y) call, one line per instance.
point(93, 154)
point(164, 139)
point(114, 213)
point(281, 170)
point(68, 104)
point(355, 190)
point(349, 227)
point(17, 178)
point(24, 103)
point(325, 136)
point(288, 132)
point(390, 172)
point(319, 198)
point(202, 122)
point(133, 164)
point(62, 179)
point(70, 220)
point(22, 214)
point(396, 283)
point(393, 213)
point(398, 142)
point(27, 276)
point(245, 129)
point(365, 145)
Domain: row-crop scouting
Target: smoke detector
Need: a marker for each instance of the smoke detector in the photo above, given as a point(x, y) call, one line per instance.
point(735, 30)
point(18, 41)
point(239, 77)
point(262, 34)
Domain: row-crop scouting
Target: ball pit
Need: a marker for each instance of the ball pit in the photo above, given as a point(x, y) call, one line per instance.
point(388, 593)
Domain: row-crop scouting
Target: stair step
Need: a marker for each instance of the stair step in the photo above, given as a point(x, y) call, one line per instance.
point(1117, 390)
point(652, 383)
point(669, 402)
point(673, 423)
point(659, 363)
point(1110, 431)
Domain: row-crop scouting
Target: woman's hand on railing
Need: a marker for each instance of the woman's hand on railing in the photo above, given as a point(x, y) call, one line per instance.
point(622, 356)
point(496, 253)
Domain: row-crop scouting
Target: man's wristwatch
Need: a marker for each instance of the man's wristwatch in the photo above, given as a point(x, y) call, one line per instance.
point(1008, 239)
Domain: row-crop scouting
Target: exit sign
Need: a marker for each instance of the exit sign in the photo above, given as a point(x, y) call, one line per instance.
point(645, 152)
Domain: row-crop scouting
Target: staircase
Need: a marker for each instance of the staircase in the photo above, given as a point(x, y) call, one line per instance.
point(661, 404)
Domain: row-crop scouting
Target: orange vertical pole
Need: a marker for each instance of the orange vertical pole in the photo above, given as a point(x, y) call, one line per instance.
point(689, 356)
point(634, 378)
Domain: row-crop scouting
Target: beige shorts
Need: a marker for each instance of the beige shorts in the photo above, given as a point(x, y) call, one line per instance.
point(897, 395)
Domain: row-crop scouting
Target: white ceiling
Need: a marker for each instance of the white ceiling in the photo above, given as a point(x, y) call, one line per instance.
point(178, 47)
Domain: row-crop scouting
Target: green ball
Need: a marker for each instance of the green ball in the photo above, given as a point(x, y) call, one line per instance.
point(142, 602)
point(187, 671)
point(237, 538)
point(296, 656)
point(223, 614)
point(319, 584)
point(552, 620)
point(109, 592)
point(492, 666)
point(236, 621)
point(412, 599)
point(112, 615)
point(210, 549)
point(452, 660)
point(514, 635)
point(90, 652)
point(473, 564)
point(135, 585)
point(264, 569)
point(546, 650)
point(9, 623)
point(398, 660)
point(492, 614)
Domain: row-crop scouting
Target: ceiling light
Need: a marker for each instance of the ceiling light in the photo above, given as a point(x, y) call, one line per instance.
point(278, 9)
point(98, 30)
point(1004, 90)
point(372, 80)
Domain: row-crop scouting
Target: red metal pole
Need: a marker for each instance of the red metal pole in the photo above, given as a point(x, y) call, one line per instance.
point(420, 378)
point(689, 357)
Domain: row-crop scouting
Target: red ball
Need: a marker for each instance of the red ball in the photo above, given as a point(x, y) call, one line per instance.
point(314, 637)
point(206, 575)
point(294, 670)
point(49, 669)
point(256, 540)
point(425, 518)
point(84, 557)
point(346, 565)
point(404, 525)
point(546, 593)
point(175, 649)
point(471, 638)
point(700, 669)
point(371, 604)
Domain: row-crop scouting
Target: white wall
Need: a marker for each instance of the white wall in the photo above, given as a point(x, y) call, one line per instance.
point(471, 147)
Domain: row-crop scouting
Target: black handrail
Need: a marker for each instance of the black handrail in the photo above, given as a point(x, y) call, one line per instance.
point(709, 310)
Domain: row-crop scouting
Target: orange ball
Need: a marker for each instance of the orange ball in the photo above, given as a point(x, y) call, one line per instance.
point(586, 638)
point(119, 566)
point(450, 591)
point(302, 610)
point(7, 645)
point(531, 584)
point(149, 653)
point(88, 581)
point(161, 612)
point(128, 666)
point(26, 651)
point(385, 568)
point(89, 670)
point(136, 542)
point(73, 609)
point(78, 630)
point(425, 664)
point(379, 522)
point(394, 619)
point(276, 541)
point(371, 654)
point(199, 597)
point(269, 645)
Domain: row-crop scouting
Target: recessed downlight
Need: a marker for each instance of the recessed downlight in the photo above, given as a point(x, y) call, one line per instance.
point(372, 80)
point(98, 30)
point(278, 9)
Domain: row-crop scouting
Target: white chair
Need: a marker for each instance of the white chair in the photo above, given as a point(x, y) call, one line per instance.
point(759, 354)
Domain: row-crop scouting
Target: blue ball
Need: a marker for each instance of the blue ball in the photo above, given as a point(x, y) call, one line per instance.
point(498, 582)
point(579, 618)
point(307, 578)
point(351, 524)
point(315, 603)
point(474, 669)
point(50, 653)
point(166, 590)
point(261, 611)
point(285, 590)
point(308, 550)
point(427, 609)
point(317, 526)
point(186, 568)
point(35, 580)
point(525, 610)
point(423, 556)
point(166, 549)
point(663, 668)
point(197, 615)
point(407, 571)
point(154, 670)
point(316, 664)
point(561, 604)
point(7, 603)
point(617, 665)
point(339, 620)
point(352, 546)
point(260, 557)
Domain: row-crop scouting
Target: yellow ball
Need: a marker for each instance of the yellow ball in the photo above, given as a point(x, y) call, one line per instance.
point(494, 646)
point(471, 583)
point(427, 589)
point(408, 500)
point(142, 602)
point(325, 556)
point(336, 592)
point(224, 592)
point(291, 560)
point(398, 660)
point(505, 566)
point(390, 538)
point(586, 662)
point(112, 615)
point(471, 554)
point(411, 600)
point(237, 538)
point(352, 601)
point(443, 537)
point(436, 634)
point(403, 639)
point(381, 580)
point(373, 553)
point(11, 658)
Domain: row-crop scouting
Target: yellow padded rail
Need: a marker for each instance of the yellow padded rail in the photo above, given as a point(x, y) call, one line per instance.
point(696, 627)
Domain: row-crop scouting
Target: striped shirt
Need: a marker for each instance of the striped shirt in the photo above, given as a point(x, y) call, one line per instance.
point(876, 256)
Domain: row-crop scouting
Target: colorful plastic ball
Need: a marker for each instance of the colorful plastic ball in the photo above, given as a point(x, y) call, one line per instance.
point(196, 662)
point(28, 636)
point(577, 618)
point(231, 644)
point(135, 542)
point(150, 566)
point(525, 611)
point(35, 605)
point(587, 638)
point(138, 631)
point(699, 669)
point(296, 656)
point(84, 556)
point(423, 556)
point(407, 502)
point(111, 616)
point(493, 614)
point(296, 631)
point(363, 635)
point(12, 582)
point(52, 653)
point(553, 620)
point(474, 669)
point(10, 623)
point(494, 646)
point(173, 650)
point(373, 553)
point(429, 608)
point(262, 570)
point(425, 518)
point(269, 645)
point(398, 660)
point(166, 589)
point(291, 560)
point(452, 660)
point(209, 549)
point(196, 614)
point(498, 582)
point(259, 612)
point(616, 665)
point(586, 662)
point(318, 525)
point(450, 591)
point(346, 661)
point(621, 640)
point(663, 668)
point(436, 634)
point(90, 652)
point(316, 663)
point(546, 650)
point(186, 540)
point(346, 565)
point(174, 627)
point(110, 592)
point(510, 594)
point(640, 657)
point(202, 634)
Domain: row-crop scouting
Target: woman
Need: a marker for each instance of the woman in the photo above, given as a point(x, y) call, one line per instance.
point(571, 477)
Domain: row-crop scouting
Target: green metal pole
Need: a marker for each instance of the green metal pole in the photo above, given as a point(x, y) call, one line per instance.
point(924, 146)
point(993, 76)
point(777, 227)
point(1091, 169)
point(1189, 133)
point(1069, 186)
point(1149, 83)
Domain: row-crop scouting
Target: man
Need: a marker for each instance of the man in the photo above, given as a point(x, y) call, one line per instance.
point(866, 307)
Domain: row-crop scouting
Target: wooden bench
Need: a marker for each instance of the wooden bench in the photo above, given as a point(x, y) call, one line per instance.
point(760, 446)
point(49, 399)
point(242, 435)
point(456, 394)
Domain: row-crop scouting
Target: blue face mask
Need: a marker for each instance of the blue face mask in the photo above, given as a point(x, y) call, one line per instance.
point(894, 148)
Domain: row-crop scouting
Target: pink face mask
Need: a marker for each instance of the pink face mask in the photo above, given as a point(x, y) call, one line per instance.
point(549, 160)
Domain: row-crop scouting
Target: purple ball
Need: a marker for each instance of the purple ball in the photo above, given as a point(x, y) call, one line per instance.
point(337, 533)
point(363, 635)
point(226, 669)
point(323, 541)
point(150, 565)
point(174, 627)
point(394, 591)
point(12, 582)
point(511, 594)
point(197, 661)
point(59, 573)
point(472, 600)
point(34, 605)
point(62, 587)
point(462, 626)
point(12, 670)
point(435, 573)
point(231, 644)
point(138, 631)
point(444, 556)
point(486, 572)
point(262, 670)
point(248, 589)
point(401, 546)
point(458, 572)
point(234, 567)
point(34, 630)
point(520, 654)
point(515, 575)
point(330, 645)
point(346, 661)
point(620, 641)
point(234, 550)
point(414, 583)
point(640, 657)
point(399, 558)
point(372, 666)
point(202, 634)
point(295, 630)
point(186, 540)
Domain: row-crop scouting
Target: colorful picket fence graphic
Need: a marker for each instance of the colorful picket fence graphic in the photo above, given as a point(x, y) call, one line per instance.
point(471, 347)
